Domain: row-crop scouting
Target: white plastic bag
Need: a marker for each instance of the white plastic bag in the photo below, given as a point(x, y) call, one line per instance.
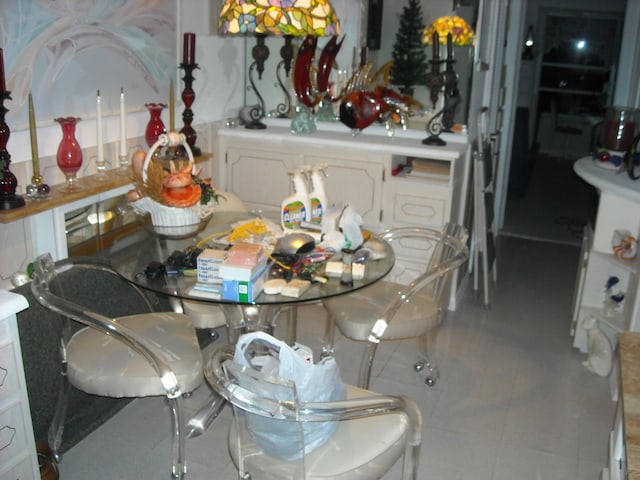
point(319, 382)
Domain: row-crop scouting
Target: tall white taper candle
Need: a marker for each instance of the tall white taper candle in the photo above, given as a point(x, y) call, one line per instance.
point(123, 127)
point(100, 161)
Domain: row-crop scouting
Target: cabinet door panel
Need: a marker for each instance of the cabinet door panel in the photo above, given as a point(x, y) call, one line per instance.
point(22, 471)
point(260, 178)
point(8, 371)
point(357, 183)
point(13, 433)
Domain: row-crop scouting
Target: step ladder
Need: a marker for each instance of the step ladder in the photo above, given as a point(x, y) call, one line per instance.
point(483, 258)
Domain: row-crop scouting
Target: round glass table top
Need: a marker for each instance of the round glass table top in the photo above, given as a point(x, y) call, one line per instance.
point(131, 256)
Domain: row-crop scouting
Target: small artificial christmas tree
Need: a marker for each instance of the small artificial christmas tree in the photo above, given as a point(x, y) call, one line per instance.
point(409, 55)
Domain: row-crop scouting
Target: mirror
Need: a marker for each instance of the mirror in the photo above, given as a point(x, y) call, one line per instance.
point(431, 10)
point(349, 58)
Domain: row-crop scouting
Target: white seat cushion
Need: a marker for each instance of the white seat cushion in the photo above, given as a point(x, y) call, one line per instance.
point(356, 313)
point(204, 315)
point(359, 449)
point(229, 202)
point(102, 365)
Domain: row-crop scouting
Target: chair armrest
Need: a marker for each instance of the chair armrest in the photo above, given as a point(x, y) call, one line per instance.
point(455, 244)
point(46, 271)
point(350, 409)
point(102, 264)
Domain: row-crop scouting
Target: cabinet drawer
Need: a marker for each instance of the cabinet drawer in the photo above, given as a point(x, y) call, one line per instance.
point(22, 471)
point(418, 203)
point(415, 210)
point(8, 371)
point(13, 433)
point(419, 209)
point(411, 259)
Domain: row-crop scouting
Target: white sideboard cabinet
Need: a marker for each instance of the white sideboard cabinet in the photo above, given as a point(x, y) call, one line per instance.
point(43, 225)
point(362, 170)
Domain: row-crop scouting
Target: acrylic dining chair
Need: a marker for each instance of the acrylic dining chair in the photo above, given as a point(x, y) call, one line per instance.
point(373, 432)
point(388, 310)
point(137, 355)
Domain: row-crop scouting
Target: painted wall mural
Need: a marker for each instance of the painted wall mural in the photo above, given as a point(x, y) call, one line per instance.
point(64, 51)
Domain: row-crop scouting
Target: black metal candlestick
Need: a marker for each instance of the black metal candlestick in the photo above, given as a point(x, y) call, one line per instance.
point(286, 54)
point(8, 184)
point(435, 81)
point(451, 91)
point(188, 96)
point(259, 53)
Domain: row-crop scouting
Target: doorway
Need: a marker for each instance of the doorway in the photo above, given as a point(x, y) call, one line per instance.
point(564, 90)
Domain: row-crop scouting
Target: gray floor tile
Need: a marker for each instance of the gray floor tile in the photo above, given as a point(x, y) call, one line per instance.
point(513, 399)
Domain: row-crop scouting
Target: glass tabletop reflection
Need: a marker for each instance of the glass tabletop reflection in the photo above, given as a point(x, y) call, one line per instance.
point(131, 257)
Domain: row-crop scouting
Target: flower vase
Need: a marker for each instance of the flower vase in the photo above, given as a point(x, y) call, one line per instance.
point(69, 155)
point(155, 127)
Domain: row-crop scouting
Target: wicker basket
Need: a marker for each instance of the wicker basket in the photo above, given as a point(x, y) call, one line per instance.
point(172, 221)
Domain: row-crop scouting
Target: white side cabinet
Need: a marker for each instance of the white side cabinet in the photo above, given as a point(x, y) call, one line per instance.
point(18, 458)
point(41, 226)
point(617, 210)
point(362, 170)
point(257, 167)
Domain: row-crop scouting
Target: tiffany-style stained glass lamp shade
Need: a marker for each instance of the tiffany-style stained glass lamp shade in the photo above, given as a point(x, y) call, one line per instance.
point(271, 17)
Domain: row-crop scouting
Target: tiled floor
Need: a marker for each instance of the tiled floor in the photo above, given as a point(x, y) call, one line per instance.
point(554, 206)
point(513, 400)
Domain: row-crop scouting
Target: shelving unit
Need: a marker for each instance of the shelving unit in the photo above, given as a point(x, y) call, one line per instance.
point(617, 209)
point(574, 79)
point(576, 71)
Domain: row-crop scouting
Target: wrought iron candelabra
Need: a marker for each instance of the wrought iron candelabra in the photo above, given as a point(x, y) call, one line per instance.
point(451, 91)
point(260, 53)
point(447, 83)
point(286, 54)
point(8, 183)
point(435, 81)
point(188, 96)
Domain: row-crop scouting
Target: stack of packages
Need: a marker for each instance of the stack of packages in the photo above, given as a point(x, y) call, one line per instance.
point(243, 272)
point(209, 283)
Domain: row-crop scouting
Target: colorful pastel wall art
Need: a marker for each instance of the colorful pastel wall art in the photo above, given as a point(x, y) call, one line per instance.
point(64, 51)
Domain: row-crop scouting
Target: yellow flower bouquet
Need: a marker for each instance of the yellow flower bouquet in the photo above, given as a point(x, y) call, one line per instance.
point(461, 32)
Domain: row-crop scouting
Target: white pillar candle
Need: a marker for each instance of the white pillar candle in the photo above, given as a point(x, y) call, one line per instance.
point(123, 134)
point(99, 130)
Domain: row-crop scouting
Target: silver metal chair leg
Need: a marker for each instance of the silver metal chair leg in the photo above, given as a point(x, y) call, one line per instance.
point(329, 336)
point(56, 428)
point(424, 363)
point(364, 375)
point(205, 416)
point(292, 324)
point(178, 463)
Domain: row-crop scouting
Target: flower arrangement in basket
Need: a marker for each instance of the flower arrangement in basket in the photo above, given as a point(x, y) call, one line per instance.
point(178, 200)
